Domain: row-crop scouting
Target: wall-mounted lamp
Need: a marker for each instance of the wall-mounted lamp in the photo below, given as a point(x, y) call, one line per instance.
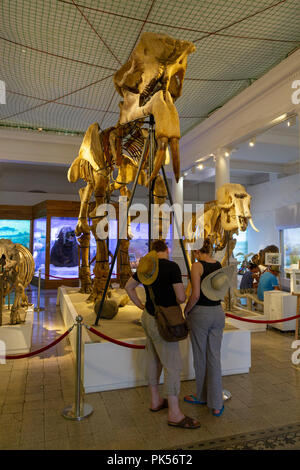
point(252, 142)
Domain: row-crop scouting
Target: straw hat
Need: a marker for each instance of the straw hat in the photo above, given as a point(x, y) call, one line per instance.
point(147, 270)
point(216, 284)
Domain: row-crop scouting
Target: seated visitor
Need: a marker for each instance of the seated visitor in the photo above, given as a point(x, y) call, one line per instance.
point(249, 279)
point(268, 281)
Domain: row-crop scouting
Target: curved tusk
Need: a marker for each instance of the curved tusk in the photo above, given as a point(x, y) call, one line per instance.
point(174, 147)
point(158, 162)
point(252, 224)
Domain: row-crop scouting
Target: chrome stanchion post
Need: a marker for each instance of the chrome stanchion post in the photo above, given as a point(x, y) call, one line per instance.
point(226, 395)
point(39, 308)
point(79, 410)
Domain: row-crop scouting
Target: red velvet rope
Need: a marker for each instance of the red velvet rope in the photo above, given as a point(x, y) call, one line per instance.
point(71, 278)
point(38, 351)
point(115, 341)
point(261, 321)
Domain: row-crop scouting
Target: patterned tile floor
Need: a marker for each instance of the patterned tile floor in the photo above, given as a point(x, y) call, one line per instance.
point(34, 391)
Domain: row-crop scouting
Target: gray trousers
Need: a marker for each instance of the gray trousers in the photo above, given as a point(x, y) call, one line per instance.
point(206, 331)
point(161, 354)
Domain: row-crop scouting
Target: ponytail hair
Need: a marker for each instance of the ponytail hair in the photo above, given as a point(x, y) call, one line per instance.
point(207, 247)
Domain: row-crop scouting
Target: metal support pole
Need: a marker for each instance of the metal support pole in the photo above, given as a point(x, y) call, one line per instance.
point(228, 263)
point(1, 294)
point(79, 410)
point(151, 183)
point(119, 240)
point(39, 308)
point(176, 223)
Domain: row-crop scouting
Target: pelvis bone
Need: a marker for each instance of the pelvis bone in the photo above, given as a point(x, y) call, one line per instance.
point(149, 82)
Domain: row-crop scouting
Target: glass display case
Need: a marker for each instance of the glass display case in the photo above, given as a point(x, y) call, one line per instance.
point(55, 248)
point(39, 246)
point(291, 247)
point(48, 231)
point(64, 249)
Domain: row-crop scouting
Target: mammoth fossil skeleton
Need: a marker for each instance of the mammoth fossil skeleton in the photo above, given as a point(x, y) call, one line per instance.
point(223, 218)
point(149, 83)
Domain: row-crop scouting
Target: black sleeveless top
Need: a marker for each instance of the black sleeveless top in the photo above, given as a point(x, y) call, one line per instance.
point(207, 269)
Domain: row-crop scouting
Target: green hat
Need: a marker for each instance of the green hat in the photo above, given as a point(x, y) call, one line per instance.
point(147, 270)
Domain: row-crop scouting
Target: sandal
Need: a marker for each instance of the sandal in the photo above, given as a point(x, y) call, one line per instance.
point(193, 399)
point(160, 407)
point(220, 412)
point(186, 423)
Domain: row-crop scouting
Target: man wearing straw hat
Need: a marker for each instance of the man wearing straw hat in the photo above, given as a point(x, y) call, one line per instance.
point(164, 276)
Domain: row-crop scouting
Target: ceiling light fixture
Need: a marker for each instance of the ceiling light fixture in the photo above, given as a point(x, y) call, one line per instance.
point(280, 118)
point(252, 142)
point(200, 167)
point(227, 154)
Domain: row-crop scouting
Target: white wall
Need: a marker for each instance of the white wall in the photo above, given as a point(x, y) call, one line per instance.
point(266, 198)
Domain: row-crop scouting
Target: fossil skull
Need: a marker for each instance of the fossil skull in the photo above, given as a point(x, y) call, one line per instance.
point(149, 83)
point(234, 204)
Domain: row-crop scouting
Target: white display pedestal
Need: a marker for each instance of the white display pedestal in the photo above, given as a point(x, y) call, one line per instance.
point(249, 315)
point(108, 366)
point(279, 304)
point(17, 338)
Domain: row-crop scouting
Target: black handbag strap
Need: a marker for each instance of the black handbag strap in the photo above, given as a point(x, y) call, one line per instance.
point(151, 293)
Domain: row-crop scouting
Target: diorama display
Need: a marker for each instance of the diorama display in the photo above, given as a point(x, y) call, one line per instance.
point(16, 272)
point(54, 245)
point(18, 231)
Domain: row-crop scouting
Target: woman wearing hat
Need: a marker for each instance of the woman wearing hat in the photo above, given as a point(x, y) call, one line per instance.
point(206, 320)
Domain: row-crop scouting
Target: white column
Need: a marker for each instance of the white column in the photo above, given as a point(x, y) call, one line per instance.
point(298, 122)
point(177, 195)
point(222, 165)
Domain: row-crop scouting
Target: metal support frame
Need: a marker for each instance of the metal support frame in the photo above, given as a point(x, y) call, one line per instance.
point(176, 223)
point(150, 141)
point(228, 263)
point(147, 142)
